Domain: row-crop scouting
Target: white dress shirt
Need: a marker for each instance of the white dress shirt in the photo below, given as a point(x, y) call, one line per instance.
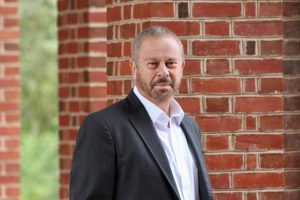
point(173, 140)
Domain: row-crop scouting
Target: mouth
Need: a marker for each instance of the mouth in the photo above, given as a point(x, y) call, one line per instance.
point(163, 82)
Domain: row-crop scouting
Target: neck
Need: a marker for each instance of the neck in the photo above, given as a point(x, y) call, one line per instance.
point(165, 106)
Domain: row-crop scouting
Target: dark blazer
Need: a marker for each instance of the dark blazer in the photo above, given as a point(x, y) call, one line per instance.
point(119, 156)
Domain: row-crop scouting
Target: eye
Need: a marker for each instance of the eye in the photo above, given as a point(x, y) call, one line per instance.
point(171, 64)
point(153, 64)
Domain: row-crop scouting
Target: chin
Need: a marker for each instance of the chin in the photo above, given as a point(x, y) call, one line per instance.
point(163, 94)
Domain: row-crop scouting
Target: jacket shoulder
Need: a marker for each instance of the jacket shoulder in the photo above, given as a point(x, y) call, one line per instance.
point(112, 114)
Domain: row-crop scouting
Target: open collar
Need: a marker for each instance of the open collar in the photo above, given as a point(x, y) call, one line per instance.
point(157, 114)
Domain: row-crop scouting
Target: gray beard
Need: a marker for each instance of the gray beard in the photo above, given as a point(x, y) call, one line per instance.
point(159, 95)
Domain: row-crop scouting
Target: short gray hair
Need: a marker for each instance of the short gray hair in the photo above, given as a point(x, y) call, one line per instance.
point(152, 32)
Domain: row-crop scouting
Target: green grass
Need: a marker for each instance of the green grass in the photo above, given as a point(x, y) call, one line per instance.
point(39, 169)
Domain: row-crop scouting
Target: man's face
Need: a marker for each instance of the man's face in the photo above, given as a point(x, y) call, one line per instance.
point(158, 70)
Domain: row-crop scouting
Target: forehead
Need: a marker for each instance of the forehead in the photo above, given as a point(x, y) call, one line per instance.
point(152, 47)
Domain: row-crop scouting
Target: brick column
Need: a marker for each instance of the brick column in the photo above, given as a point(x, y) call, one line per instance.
point(291, 68)
point(82, 72)
point(9, 101)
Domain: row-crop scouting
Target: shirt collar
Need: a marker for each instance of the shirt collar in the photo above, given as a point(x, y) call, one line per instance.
point(157, 114)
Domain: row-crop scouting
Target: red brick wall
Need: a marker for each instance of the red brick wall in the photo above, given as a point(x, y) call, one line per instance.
point(82, 72)
point(240, 83)
point(233, 85)
point(291, 69)
point(9, 101)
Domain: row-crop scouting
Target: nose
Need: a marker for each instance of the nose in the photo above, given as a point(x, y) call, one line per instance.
point(163, 70)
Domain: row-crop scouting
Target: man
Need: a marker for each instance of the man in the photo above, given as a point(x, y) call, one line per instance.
point(143, 147)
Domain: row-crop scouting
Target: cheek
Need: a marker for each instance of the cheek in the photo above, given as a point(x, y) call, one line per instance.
point(150, 76)
point(176, 75)
point(147, 77)
point(151, 80)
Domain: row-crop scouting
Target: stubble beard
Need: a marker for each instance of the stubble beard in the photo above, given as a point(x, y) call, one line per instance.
point(158, 94)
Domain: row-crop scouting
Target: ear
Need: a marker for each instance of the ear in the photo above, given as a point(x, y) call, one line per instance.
point(182, 66)
point(133, 69)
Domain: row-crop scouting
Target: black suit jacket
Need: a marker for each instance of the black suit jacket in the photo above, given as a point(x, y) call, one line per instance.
point(119, 156)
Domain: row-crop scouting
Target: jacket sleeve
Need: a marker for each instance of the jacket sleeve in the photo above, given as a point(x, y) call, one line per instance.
point(93, 167)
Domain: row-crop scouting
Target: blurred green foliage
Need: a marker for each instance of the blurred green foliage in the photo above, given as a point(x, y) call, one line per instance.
point(39, 179)
point(39, 66)
point(39, 72)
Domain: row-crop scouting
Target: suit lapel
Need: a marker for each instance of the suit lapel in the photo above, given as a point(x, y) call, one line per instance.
point(192, 140)
point(195, 146)
point(143, 125)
